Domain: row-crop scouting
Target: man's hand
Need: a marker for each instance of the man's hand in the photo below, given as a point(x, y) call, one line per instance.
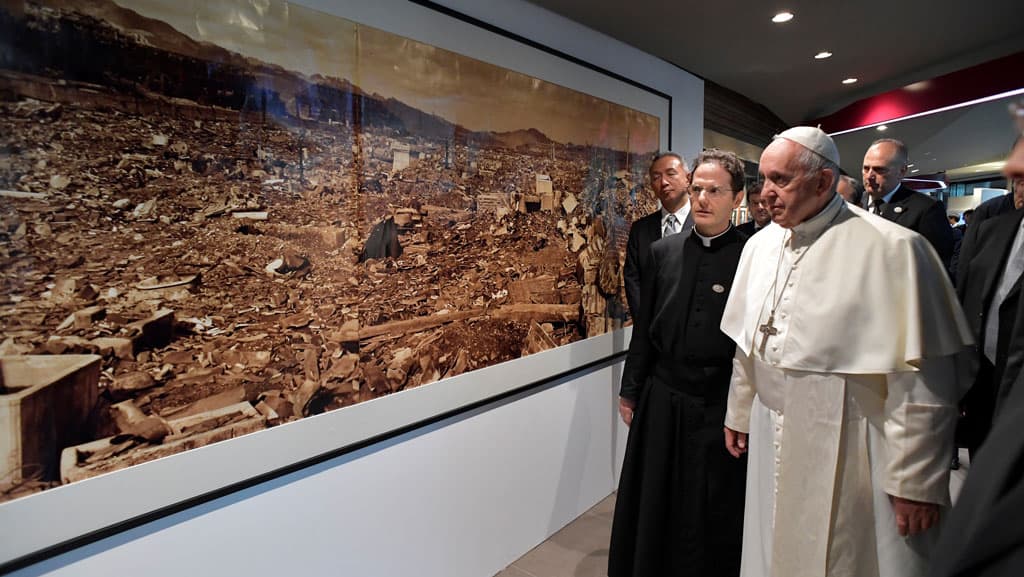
point(913, 517)
point(735, 442)
point(626, 408)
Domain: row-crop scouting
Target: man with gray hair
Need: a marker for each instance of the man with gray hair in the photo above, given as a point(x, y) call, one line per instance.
point(670, 182)
point(848, 397)
point(885, 165)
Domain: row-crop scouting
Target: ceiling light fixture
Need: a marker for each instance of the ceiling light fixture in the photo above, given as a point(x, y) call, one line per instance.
point(849, 80)
point(881, 128)
point(782, 17)
point(916, 170)
point(822, 55)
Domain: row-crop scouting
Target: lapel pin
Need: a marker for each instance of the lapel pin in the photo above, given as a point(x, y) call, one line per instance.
point(898, 209)
point(718, 288)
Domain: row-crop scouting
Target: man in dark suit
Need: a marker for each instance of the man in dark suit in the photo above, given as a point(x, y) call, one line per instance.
point(885, 165)
point(983, 536)
point(671, 184)
point(990, 300)
point(989, 289)
point(679, 509)
point(997, 206)
point(991, 208)
point(759, 215)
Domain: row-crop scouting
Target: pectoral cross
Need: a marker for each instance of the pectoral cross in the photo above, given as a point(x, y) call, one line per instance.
point(767, 330)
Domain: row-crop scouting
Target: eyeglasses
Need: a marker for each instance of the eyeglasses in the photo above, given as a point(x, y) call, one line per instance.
point(713, 192)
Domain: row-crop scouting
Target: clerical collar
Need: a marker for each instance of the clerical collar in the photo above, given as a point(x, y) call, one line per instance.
point(681, 214)
point(808, 231)
point(706, 240)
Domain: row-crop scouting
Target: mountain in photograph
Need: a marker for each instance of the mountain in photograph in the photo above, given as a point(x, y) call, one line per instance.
point(119, 48)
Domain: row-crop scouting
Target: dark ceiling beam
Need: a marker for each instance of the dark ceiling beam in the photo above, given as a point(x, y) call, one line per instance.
point(732, 114)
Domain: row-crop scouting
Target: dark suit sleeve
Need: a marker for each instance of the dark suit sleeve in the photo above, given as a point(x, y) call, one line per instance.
point(641, 350)
point(1012, 371)
point(991, 207)
point(935, 227)
point(969, 427)
point(964, 258)
point(983, 535)
point(954, 262)
point(631, 270)
point(983, 212)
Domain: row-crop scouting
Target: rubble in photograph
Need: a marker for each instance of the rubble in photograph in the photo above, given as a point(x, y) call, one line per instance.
point(224, 258)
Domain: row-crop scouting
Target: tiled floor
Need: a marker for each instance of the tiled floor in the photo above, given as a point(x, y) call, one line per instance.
point(581, 548)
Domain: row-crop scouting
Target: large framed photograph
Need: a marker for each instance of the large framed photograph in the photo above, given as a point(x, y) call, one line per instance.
point(235, 236)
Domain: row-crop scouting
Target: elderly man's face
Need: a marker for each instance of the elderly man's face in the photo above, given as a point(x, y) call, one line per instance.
point(670, 182)
point(1014, 171)
point(793, 194)
point(713, 199)
point(758, 207)
point(883, 169)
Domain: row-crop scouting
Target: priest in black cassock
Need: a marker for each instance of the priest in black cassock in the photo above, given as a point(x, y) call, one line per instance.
point(679, 509)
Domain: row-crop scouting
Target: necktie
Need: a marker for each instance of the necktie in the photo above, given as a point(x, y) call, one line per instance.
point(1012, 272)
point(670, 226)
point(878, 206)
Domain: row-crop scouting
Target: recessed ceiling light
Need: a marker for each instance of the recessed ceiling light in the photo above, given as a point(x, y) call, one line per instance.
point(822, 55)
point(911, 165)
point(782, 17)
point(916, 170)
point(849, 81)
point(881, 128)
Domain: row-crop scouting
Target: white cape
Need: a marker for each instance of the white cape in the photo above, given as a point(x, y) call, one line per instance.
point(852, 335)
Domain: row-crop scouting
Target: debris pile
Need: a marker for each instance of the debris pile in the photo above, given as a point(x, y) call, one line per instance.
point(238, 270)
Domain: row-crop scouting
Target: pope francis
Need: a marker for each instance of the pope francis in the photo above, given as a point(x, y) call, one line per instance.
point(845, 377)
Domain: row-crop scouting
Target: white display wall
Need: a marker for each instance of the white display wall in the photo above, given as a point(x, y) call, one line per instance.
point(463, 497)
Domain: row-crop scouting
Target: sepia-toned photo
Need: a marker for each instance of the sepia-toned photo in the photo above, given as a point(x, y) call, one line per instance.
point(218, 217)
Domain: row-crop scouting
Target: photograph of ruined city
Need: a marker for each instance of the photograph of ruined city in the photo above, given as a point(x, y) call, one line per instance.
point(219, 217)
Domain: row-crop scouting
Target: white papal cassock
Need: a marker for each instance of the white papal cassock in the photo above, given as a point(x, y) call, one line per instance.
point(853, 398)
